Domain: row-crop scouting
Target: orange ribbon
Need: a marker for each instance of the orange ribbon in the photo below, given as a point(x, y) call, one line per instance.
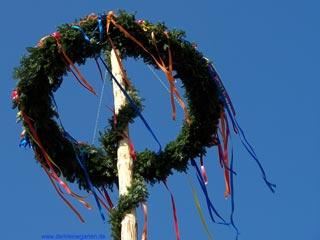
point(63, 198)
point(79, 76)
point(52, 173)
point(167, 70)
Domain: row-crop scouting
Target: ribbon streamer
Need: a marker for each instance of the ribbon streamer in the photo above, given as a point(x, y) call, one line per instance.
point(102, 201)
point(166, 70)
point(81, 161)
point(117, 82)
point(132, 152)
point(133, 105)
point(47, 158)
point(25, 140)
point(224, 129)
point(114, 115)
point(174, 210)
point(99, 69)
point(200, 212)
point(203, 171)
point(107, 197)
point(15, 95)
point(86, 37)
point(80, 78)
point(50, 163)
point(100, 26)
point(232, 199)
point(210, 206)
point(225, 98)
point(63, 198)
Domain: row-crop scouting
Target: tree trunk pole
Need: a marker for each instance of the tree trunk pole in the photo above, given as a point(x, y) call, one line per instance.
point(125, 162)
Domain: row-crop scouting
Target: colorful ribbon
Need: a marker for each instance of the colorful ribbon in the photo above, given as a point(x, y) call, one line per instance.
point(50, 163)
point(232, 199)
point(225, 98)
point(81, 157)
point(167, 70)
point(211, 209)
point(102, 200)
point(132, 152)
point(63, 198)
point(117, 82)
point(15, 95)
point(107, 197)
point(25, 142)
point(57, 36)
point(86, 37)
point(174, 210)
point(100, 27)
point(199, 209)
point(203, 170)
point(224, 152)
point(132, 103)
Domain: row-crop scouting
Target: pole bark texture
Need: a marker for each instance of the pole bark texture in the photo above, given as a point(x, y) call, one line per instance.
point(125, 162)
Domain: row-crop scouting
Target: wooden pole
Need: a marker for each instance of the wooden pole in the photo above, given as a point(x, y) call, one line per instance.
point(125, 162)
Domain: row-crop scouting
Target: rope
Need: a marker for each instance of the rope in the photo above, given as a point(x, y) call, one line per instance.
point(99, 108)
point(101, 98)
point(161, 82)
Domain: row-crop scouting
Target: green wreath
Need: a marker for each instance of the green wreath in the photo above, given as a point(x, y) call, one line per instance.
point(41, 73)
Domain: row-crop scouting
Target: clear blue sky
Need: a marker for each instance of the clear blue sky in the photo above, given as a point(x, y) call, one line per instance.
point(268, 55)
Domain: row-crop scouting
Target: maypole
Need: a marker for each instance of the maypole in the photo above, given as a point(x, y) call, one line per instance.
point(210, 118)
point(125, 161)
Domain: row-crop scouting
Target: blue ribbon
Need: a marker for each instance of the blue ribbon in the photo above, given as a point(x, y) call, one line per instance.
point(81, 156)
point(117, 82)
point(232, 199)
point(88, 40)
point(236, 126)
point(83, 33)
point(99, 68)
point(100, 26)
point(210, 206)
point(132, 103)
point(25, 142)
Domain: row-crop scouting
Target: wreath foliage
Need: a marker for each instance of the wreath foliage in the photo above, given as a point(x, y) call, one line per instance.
point(41, 73)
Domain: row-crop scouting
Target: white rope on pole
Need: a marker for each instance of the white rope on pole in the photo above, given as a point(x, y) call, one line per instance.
point(99, 108)
point(161, 82)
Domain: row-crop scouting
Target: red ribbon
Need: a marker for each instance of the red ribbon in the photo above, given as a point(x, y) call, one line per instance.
point(52, 173)
point(175, 218)
point(132, 152)
point(63, 198)
point(44, 152)
point(15, 95)
point(57, 36)
point(223, 152)
point(108, 198)
point(102, 202)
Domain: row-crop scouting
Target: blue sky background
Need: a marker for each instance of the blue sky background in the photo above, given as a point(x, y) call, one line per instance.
point(268, 55)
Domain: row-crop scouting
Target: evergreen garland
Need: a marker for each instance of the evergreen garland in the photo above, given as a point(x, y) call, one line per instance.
point(41, 74)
